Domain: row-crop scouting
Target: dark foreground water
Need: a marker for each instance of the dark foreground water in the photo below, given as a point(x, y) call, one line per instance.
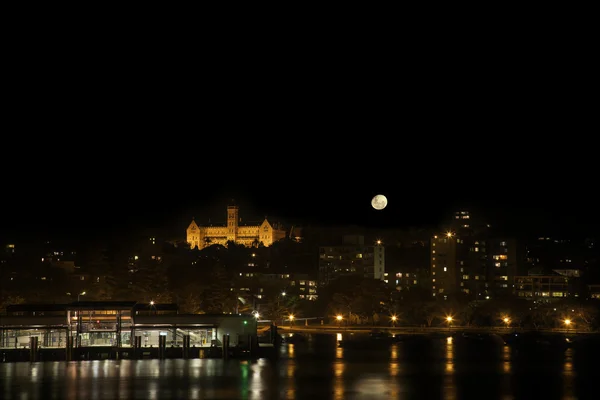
point(433, 368)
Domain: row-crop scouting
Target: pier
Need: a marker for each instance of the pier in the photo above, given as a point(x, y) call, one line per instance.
point(126, 330)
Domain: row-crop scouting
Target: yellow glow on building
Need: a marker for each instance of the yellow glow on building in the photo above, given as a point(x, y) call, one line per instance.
point(247, 235)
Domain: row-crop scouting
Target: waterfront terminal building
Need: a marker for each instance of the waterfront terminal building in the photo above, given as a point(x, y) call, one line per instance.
point(118, 325)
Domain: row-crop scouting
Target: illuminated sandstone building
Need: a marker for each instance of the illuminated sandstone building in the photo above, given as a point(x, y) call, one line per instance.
point(248, 235)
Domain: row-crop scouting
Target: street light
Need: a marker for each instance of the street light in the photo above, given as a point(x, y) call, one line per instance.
point(394, 319)
point(280, 317)
point(339, 319)
point(506, 321)
point(291, 318)
point(449, 320)
point(568, 324)
point(80, 294)
point(279, 298)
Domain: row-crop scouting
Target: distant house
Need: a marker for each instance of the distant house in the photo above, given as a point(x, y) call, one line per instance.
point(545, 285)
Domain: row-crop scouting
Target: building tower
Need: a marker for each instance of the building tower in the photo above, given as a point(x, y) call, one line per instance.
point(232, 222)
point(444, 270)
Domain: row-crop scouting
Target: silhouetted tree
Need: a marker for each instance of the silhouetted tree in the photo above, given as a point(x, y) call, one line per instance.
point(190, 299)
point(217, 297)
point(9, 300)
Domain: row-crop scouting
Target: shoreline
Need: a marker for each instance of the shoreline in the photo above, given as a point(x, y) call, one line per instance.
point(425, 330)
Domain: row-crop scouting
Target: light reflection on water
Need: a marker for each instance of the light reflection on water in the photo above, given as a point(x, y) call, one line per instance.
point(395, 364)
point(441, 369)
point(568, 375)
point(506, 359)
point(338, 382)
point(449, 391)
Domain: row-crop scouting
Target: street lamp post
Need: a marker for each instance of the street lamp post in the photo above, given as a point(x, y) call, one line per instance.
point(80, 294)
point(280, 316)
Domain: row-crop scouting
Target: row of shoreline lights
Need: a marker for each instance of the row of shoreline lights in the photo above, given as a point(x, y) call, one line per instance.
point(393, 318)
point(507, 321)
point(449, 319)
point(290, 317)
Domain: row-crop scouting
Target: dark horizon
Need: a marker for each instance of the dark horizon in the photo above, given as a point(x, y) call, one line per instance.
point(97, 196)
point(171, 216)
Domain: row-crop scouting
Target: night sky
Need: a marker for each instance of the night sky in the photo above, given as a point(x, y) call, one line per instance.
point(94, 154)
point(100, 194)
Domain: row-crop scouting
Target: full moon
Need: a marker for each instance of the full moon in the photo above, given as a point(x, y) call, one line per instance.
point(379, 202)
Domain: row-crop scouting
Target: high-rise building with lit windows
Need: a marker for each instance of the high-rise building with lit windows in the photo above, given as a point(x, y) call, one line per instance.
point(468, 261)
point(503, 257)
point(466, 223)
point(444, 273)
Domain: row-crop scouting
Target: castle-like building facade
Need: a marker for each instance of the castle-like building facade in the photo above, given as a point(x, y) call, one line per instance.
point(202, 236)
